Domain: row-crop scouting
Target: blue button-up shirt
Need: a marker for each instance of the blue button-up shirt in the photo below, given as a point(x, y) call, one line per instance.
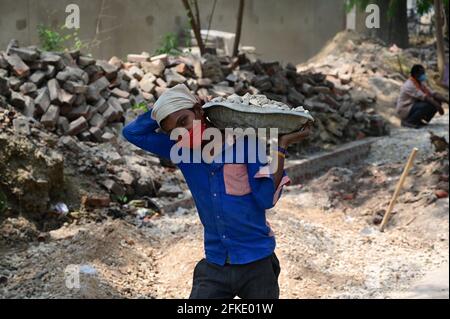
point(231, 198)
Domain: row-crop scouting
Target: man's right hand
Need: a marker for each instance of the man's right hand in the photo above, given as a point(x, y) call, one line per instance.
point(440, 98)
point(204, 99)
point(436, 104)
point(285, 141)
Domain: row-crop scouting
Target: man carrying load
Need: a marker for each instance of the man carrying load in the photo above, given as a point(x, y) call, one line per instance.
point(231, 198)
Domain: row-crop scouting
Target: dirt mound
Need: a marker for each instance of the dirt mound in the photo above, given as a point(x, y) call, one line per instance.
point(105, 256)
point(31, 177)
point(16, 231)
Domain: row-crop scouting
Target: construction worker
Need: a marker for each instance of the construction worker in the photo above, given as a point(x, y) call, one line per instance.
point(417, 103)
point(231, 198)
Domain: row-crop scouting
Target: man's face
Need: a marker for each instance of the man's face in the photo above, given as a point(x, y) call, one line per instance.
point(420, 74)
point(179, 119)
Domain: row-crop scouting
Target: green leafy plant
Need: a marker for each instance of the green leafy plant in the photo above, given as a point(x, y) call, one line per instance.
point(78, 43)
point(50, 40)
point(140, 106)
point(424, 6)
point(53, 40)
point(120, 199)
point(169, 45)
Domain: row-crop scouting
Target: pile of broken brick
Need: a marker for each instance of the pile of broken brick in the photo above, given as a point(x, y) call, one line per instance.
point(73, 94)
point(40, 171)
point(69, 93)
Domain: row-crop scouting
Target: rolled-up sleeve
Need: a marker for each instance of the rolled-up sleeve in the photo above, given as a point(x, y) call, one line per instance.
point(432, 93)
point(263, 185)
point(411, 91)
point(142, 133)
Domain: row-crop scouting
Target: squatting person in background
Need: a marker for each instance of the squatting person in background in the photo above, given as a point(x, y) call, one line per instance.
point(231, 199)
point(417, 103)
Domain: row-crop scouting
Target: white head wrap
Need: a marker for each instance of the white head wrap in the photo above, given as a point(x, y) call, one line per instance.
point(175, 99)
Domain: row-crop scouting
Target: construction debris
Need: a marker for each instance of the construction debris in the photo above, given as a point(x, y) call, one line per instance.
point(87, 98)
point(366, 67)
point(65, 91)
point(43, 174)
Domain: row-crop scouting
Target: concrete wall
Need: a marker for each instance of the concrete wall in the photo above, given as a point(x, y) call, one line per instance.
point(288, 30)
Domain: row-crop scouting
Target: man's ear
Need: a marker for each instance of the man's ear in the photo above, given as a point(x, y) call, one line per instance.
point(198, 111)
point(161, 128)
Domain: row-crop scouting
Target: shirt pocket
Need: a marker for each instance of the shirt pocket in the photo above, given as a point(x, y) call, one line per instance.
point(236, 179)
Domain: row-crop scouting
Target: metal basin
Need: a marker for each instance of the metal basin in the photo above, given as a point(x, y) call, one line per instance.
point(232, 115)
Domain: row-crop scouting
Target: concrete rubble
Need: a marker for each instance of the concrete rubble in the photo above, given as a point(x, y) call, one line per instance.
point(40, 169)
point(342, 112)
point(65, 91)
point(89, 98)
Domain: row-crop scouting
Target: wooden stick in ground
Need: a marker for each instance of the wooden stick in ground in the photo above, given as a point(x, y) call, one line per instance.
point(400, 183)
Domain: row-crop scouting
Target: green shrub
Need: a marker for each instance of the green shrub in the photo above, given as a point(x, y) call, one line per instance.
point(52, 40)
point(120, 199)
point(169, 45)
point(140, 106)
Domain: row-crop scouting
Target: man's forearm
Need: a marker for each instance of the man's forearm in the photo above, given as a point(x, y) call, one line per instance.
point(279, 170)
point(142, 133)
point(284, 142)
point(142, 125)
point(440, 98)
point(433, 102)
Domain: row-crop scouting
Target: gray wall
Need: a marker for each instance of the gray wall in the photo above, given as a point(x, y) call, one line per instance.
point(287, 30)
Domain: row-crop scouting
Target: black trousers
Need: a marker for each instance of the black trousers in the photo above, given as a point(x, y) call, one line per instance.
point(257, 280)
point(421, 111)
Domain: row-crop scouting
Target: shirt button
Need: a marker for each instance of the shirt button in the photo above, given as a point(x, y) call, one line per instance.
point(218, 217)
point(212, 173)
point(224, 236)
point(215, 195)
